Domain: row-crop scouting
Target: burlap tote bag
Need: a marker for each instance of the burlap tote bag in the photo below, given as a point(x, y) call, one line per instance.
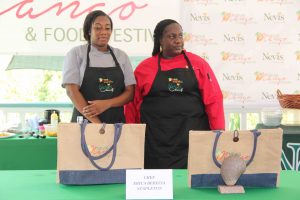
point(98, 153)
point(260, 149)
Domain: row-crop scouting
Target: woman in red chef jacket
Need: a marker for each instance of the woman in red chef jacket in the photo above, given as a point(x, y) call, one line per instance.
point(176, 91)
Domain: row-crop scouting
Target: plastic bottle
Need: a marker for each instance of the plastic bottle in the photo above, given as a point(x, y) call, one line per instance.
point(54, 119)
point(79, 119)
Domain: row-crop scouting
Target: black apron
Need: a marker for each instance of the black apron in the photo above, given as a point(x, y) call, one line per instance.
point(173, 107)
point(103, 83)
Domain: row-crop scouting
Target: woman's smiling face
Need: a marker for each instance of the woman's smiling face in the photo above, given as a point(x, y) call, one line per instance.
point(100, 33)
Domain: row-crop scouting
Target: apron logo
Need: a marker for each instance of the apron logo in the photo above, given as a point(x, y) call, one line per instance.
point(105, 85)
point(174, 85)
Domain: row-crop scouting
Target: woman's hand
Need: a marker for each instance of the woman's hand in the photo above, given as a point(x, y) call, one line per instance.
point(96, 107)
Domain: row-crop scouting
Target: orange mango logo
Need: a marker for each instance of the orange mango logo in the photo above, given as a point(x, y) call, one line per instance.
point(259, 36)
point(225, 55)
point(259, 76)
point(187, 37)
point(298, 55)
point(226, 16)
point(298, 13)
point(225, 94)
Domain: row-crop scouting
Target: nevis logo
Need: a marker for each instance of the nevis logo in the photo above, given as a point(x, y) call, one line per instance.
point(235, 38)
point(236, 18)
point(235, 57)
point(274, 17)
point(269, 77)
point(105, 85)
point(276, 57)
point(204, 40)
point(266, 95)
point(174, 85)
point(271, 38)
point(202, 18)
point(232, 77)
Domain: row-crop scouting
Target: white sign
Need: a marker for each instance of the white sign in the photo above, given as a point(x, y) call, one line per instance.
point(149, 184)
point(32, 27)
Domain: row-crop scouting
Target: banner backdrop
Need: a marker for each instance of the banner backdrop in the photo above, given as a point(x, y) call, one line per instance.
point(253, 46)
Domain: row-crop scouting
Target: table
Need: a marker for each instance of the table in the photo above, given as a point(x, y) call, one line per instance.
point(41, 184)
point(290, 157)
point(28, 153)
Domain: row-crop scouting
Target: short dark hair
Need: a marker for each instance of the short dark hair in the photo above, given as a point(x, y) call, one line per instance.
point(89, 20)
point(158, 32)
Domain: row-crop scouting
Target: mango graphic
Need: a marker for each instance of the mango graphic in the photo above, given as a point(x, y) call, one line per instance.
point(225, 94)
point(259, 36)
point(259, 76)
point(226, 16)
point(187, 37)
point(298, 13)
point(225, 55)
point(298, 55)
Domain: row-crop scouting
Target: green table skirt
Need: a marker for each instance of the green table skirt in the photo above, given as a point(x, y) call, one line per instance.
point(41, 184)
point(28, 153)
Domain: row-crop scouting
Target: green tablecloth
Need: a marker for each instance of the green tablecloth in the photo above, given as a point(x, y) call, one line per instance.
point(41, 184)
point(290, 159)
point(28, 153)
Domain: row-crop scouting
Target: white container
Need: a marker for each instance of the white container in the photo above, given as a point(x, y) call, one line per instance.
point(271, 116)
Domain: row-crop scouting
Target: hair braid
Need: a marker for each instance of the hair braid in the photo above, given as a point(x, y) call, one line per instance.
point(158, 32)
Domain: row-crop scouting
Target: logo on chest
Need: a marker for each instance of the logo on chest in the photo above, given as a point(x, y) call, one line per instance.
point(105, 85)
point(175, 85)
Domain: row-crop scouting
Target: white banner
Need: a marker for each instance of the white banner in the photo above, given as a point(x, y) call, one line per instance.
point(46, 27)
